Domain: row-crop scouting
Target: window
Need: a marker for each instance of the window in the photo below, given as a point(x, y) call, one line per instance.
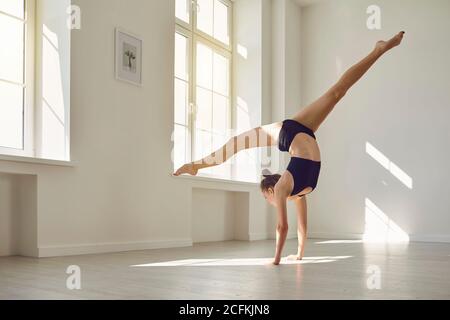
point(35, 79)
point(203, 59)
point(16, 77)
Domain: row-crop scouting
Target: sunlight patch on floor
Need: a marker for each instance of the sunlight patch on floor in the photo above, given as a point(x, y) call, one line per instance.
point(239, 262)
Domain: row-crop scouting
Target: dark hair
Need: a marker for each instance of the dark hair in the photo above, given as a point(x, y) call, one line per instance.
point(269, 181)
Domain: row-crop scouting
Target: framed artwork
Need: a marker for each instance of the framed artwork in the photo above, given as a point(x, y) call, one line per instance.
point(128, 57)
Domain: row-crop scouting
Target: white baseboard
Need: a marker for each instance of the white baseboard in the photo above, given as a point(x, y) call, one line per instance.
point(257, 236)
point(350, 236)
point(290, 235)
point(96, 248)
point(335, 236)
point(311, 235)
point(429, 238)
point(359, 236)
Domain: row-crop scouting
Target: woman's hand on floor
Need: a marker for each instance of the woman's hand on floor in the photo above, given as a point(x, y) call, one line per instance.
point(294, 257)
point(273, 262)
point(276, 261)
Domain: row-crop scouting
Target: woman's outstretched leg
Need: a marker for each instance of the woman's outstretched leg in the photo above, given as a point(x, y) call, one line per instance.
point(313, 115)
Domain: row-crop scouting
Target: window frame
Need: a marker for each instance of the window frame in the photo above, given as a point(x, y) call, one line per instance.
point(197, 31)
point(28, 84)
point(194, 35)
point(190, 112)
point(182, 23)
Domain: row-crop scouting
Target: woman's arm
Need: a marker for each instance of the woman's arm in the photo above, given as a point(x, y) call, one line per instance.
point(301, 208)
point(281, 195)
point(258, 137)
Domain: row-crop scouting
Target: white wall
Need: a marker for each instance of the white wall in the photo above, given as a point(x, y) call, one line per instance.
point(219, 215)
point(8, 225)
point(286, 53)
point(292, 68)
point(212, 215)
point(247, 81)
point(18, 215)
point(401, 107)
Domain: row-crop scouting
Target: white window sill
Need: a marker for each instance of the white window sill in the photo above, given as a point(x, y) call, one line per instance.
point(216, 180)
point(48, 162)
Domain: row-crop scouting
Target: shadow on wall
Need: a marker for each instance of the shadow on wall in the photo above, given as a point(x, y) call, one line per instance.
point(378, 226)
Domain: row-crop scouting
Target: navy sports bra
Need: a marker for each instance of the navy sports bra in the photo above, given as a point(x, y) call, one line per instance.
point(288, 132)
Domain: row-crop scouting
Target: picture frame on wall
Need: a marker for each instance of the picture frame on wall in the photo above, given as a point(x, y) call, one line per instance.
point(128, 57)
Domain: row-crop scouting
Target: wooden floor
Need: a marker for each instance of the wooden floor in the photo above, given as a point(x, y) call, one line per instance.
point(237, 270)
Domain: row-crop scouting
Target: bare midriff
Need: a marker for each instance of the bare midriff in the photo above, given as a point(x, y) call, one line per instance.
point(305, 146)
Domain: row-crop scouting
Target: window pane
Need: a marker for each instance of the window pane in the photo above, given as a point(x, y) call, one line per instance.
point(182, 10)
point(221, 22)
point(13, 7)
point(53, 142)
point(205, 13)
point(221, 74)
point(247, 166)
point(202, 144)
point(181, 57)
point(180, 143)
point(224, 170)
point(204, 66)
point(220, 114)
point(11, 116)
point(218, 141)
point(11, 49)
point(204, 109)
point(181, 101)
point(242, 115)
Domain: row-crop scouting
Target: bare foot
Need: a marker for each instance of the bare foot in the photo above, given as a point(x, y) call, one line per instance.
point(188, 168)
point(384, 46)
point(271, 264)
